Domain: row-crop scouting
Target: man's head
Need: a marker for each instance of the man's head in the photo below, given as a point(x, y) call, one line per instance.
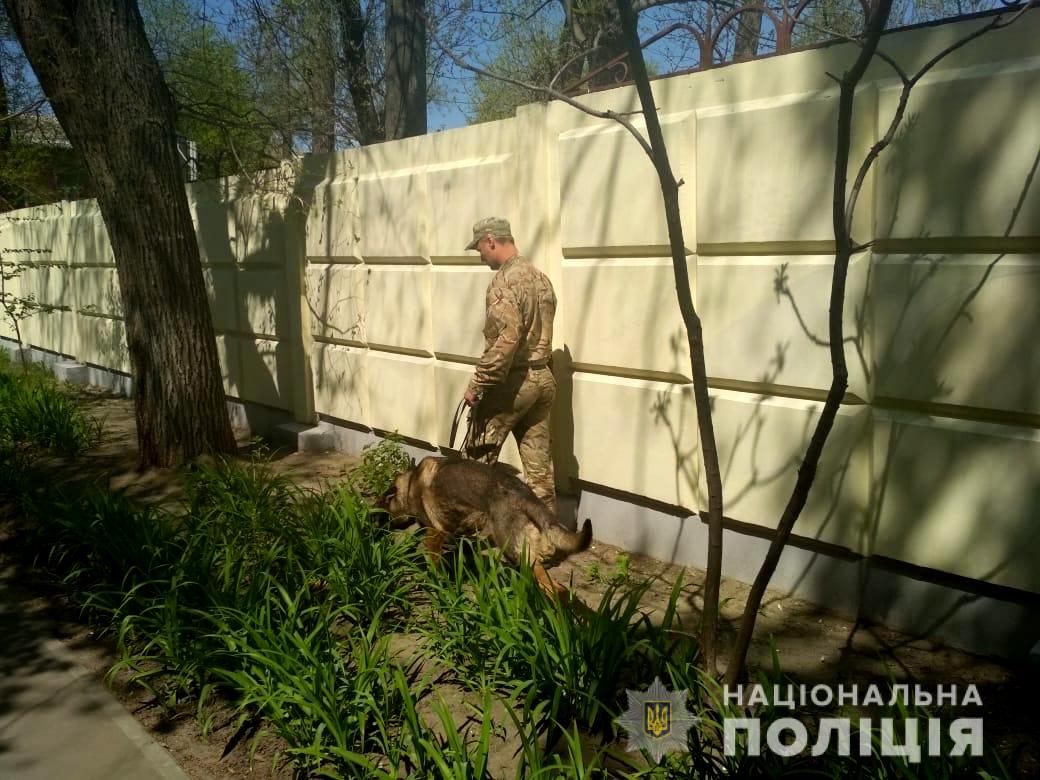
point(493, 238)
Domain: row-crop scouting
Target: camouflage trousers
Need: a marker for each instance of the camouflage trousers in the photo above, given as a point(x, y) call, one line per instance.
point(521, 404)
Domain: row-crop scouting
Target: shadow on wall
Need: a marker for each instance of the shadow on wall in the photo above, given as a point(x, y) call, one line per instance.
point(957, 337)
point(955, 474)
point(945, 345)
point(243, 239)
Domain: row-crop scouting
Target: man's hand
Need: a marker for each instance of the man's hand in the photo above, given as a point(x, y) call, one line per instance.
point(472, 399)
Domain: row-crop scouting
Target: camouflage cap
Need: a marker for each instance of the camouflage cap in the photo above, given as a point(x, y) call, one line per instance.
point(490, 226)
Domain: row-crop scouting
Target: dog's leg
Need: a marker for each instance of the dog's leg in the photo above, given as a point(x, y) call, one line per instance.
point(551, 587)
point(434, 543)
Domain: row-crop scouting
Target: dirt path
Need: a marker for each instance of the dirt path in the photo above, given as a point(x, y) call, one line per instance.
point(814, 646)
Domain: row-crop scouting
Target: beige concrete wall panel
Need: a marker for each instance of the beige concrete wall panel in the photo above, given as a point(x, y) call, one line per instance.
point(14, 289)
point(637, 435)
point(958, 496)
point(397, 307)
point(333, 222)
point(959, 329)
point(766, 172)
point(265, 367)
point(103, 343)
point(37, 235)
point(262, 302)
point(45, 285)
point(466, 191)
point(223, 297)
point(624, 313)
point(403, 395)
point(458, 309)
point(610, 195)
point(766, 318)
point(394, 212)
point(230, 366)
point(965, 160)
point(55, 331)
point(762, 441)
point(214, 229)
point(258, 229)
point(336, 299)
point(96, 291)
point(340, 382)
point(86, 241)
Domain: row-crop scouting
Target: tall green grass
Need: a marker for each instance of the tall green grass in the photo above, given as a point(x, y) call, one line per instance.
point(284, 602)
point(493, 623)
point(35, 410)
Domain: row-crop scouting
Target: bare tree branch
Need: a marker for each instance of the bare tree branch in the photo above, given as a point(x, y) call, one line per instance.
point(619, 117)
point(33, 107)
point(998, 22)
point(843, 208)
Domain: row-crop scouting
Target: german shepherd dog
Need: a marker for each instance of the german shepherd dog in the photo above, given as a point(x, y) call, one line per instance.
point(453, 497)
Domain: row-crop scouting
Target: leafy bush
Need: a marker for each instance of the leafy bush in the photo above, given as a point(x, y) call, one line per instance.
point(380, 464)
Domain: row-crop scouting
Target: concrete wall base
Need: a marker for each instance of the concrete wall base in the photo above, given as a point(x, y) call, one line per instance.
point(999, 622)
point(72, 372)
point(69, 370)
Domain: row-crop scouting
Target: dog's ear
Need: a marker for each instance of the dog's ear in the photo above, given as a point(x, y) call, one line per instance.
point(413, 462)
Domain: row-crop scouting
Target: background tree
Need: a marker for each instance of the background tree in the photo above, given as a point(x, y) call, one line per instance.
point(36, 163)
point(218, 105)
point(96, 67)
point(405, 69)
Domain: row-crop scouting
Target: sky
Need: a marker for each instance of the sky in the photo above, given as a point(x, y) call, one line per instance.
point(449, 111)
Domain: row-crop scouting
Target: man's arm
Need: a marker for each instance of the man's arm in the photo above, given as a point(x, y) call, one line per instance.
point(503, 329)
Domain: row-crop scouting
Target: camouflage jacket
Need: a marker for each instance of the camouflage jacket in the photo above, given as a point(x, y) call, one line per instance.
point(518, 330)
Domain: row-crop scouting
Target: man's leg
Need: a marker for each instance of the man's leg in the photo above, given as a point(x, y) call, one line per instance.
point(489, 434)
point(496, 415)
point(533, 441)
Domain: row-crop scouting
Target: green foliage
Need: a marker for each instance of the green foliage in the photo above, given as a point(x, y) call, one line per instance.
point(285, 603)
point(35, 173)
point(618, 576)
point(532, 56)
point(35, 411)
point(380, 464)
point(216, 100)
point(495, 623)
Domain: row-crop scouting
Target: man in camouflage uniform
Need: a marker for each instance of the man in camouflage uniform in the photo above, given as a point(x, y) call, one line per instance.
point(513, 386)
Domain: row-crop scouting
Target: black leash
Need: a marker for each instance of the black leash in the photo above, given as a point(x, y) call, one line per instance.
point(467, 440)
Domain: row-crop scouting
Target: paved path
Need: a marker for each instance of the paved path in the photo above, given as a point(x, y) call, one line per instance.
point(56, 719)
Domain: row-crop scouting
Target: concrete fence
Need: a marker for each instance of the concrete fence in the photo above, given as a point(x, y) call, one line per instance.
point(342, 290)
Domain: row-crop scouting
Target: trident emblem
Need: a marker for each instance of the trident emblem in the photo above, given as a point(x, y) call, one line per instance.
point(657, 718)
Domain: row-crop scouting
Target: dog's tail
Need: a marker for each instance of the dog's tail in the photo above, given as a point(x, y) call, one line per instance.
point(568, 542)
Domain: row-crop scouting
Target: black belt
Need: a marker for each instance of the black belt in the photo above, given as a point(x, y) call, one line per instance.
point(540, 364)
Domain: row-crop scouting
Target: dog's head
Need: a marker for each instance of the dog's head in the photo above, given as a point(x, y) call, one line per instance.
point(395, 500)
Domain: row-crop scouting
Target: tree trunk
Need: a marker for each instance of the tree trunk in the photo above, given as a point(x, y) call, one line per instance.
point(323, 86)
point(5, 109)
point(355, 67)
point(592, 26)
point(695, 340)
point(749, 32)
point(96, 67)
point(405, 69)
